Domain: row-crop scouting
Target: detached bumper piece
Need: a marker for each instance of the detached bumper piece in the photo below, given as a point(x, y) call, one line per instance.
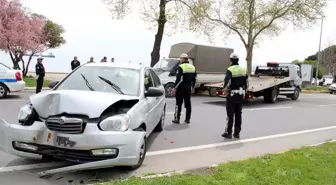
point(76, 156)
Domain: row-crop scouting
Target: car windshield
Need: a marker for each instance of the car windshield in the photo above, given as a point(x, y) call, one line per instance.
point(166, 64)
point(103, 79)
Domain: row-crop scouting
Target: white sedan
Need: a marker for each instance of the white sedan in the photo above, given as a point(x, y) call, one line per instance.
point(10, 81)
point(100, 115)
point(332, 88)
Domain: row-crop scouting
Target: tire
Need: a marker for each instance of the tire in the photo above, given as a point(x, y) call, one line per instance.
point(3, 91)
point(271, 95)
point(160, 126)
point(168, 90)
point(212, 91)
point(296, 94)
point(143, 151)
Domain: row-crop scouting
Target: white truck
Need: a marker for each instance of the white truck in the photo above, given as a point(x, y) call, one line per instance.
point(270, 81)
point(210, 63)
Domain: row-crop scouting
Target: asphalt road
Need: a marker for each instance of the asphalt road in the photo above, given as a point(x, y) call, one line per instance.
point(311, 111)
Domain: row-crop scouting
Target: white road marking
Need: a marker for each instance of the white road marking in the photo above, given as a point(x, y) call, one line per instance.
point(186, 149)
point(327, 105)
point(268, 108)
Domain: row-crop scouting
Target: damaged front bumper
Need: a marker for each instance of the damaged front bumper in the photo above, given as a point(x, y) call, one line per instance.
point(99, 149)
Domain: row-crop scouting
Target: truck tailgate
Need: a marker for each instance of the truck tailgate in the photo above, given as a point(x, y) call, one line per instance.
point(263, 82)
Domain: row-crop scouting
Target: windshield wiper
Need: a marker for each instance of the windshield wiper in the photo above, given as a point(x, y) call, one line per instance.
point(114, 86)
point(87, 83)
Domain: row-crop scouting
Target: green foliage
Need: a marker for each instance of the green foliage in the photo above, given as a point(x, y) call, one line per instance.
point(53, 35)
point(328, 58)
point(321, 70)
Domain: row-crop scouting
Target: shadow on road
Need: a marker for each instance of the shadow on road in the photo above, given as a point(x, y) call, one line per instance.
point(12, 97)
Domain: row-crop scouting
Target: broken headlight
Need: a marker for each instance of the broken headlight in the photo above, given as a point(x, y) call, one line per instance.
point(115, 123)
point(25, 112)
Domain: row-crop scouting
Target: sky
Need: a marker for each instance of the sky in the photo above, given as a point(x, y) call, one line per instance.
point(90, 31)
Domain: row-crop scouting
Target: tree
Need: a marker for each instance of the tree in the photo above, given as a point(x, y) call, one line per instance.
point(154, 12)
point(251, 19)
point(51, 38)
point(328, 59)
point(321, 71)
point(19, 30)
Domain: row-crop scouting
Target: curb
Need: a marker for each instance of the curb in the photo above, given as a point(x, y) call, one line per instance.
point(33, 88)
point(314, 92)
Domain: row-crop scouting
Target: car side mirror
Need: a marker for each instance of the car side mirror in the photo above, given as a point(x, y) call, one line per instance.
point(153, 92)
point(52, 84)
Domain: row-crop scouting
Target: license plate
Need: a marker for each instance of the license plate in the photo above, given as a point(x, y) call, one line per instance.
point(65, 141)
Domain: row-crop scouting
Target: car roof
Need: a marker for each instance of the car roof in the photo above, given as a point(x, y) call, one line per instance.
point(117, 65)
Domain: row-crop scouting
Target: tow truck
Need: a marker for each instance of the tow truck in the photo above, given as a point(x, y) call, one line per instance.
point(270, 81)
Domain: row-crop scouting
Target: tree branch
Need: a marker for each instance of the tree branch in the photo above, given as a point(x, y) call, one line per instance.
point(215, 20)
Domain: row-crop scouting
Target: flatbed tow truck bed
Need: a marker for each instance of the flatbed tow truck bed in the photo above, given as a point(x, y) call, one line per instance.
point(268, 86)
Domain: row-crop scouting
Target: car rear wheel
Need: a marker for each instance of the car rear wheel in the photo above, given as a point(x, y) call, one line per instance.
point(3, 91)
point(169, 90)
point(160, 126)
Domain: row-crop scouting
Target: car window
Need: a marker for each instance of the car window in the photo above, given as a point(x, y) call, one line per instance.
point(103, 79)
point(148, 80)
point(156, 79)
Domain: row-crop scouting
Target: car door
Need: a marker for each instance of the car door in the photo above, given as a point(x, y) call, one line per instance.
point(159, 101)
point(3, 73)
point(150, 101)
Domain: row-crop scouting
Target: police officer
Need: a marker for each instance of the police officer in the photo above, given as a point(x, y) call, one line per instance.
point(40, 73)
point(235, 84)
point(184, 86)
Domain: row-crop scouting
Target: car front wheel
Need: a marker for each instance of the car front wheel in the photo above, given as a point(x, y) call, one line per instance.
point(142, 153)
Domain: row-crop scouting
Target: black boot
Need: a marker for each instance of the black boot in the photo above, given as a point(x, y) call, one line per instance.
point(237, 136)
point(227, 135)
point(187, 121)
point(176, 121)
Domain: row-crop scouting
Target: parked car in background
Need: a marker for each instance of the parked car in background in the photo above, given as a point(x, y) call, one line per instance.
point(100, 115)
point(10, 81)
point(332, 88)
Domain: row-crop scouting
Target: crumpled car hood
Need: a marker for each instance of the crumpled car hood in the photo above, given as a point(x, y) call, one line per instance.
point(90, 103)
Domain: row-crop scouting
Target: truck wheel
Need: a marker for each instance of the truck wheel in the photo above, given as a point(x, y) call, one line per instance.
point(296, 94)
point(3, 91)
point(212, 91)
point(271, 95)
point(169, 90)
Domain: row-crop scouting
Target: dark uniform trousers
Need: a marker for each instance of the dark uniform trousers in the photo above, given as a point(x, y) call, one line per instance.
point(183, 94)
point(234, 105)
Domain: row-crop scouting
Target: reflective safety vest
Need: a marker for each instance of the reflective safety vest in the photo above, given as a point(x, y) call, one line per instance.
point(237, 71)
point(187, 68)
point(238, 78)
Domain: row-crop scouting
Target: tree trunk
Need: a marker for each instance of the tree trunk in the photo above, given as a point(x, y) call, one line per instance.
point(155, 55)
point(249, 56)
point(27, 66)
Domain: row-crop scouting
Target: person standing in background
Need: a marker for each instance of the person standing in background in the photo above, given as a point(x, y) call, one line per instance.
point(40, 73)
point(104, 59)
point(91, 60)
point(75, 63)
point(112, 60)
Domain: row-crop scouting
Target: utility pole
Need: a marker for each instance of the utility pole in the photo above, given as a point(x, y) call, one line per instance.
point(318, 54)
